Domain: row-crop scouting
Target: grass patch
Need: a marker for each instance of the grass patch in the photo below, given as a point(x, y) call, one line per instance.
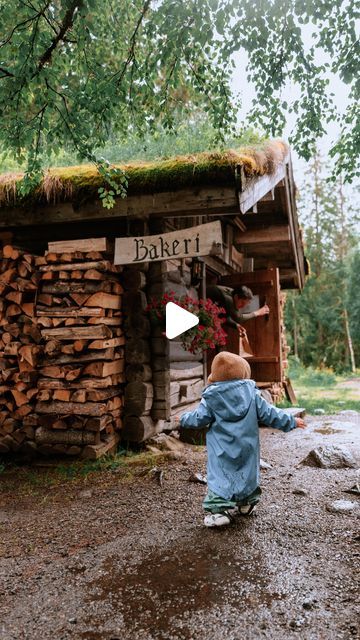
point(33, 480)
point(323, 389)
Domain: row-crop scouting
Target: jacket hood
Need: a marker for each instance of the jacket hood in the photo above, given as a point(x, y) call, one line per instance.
point(230, 399)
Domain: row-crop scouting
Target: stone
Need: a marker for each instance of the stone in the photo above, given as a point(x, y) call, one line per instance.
point(349, 412)
point(265, 465)
point(198, 477)
point(298, 491)
point(330, 457)
point(355, 489)
point(168, 443)
point(319, 412)
point(86, 493)
point(309, 603)
point(341, 506)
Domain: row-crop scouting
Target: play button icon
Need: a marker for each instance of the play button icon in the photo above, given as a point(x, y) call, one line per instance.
point(178, 320)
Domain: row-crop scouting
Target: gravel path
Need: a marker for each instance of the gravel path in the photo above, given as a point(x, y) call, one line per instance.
point(126, 557)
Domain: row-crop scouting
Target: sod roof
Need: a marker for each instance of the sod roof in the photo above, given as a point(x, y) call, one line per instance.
point(81, 183)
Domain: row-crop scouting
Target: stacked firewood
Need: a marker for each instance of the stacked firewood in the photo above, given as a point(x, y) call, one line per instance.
point(20, 349)
point(78, 309)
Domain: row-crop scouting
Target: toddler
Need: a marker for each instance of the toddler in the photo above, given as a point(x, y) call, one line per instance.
point(232, 407)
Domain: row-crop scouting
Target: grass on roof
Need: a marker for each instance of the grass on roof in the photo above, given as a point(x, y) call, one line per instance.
point(81, 183)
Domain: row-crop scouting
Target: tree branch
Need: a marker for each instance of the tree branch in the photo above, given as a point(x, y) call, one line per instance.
point(6, 73)
point(66, 24)
point(133, 43)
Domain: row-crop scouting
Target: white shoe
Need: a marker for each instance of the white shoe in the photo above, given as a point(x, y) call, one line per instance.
point(247, 509)
point(216, 520)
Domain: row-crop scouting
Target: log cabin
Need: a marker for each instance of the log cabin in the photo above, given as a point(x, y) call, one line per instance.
point(81, 365)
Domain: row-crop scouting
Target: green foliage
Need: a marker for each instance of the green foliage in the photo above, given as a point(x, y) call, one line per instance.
point(317, 319)
point(322, 389)
point(309, 376)
point(76, 74)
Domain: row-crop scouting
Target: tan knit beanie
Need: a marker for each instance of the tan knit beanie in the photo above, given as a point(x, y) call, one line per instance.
point(228, 366)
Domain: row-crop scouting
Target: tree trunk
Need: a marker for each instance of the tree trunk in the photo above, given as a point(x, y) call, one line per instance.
point(349, 341)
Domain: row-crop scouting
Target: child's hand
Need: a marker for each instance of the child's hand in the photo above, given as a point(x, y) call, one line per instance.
point(300, 424)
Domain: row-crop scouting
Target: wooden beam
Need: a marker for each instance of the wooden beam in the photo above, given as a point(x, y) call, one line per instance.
point(256, 188)
point(276, 233)
point(269, 196)
point(208, 200)
point(72, 246)
point(288, 199)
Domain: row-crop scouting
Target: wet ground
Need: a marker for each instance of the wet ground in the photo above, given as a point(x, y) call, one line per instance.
point(126, 557)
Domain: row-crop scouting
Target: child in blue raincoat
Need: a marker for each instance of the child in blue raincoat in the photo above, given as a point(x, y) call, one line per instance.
point(232, 407)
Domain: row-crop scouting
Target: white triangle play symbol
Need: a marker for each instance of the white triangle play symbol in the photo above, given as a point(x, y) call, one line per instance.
point(178, 320)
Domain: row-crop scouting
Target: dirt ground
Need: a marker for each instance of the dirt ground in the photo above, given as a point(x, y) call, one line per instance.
point(125, 557)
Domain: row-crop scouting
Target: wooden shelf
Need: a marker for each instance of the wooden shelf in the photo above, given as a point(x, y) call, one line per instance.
point(261, 358)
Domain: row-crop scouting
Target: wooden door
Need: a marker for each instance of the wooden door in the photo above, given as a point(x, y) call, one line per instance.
point(264, 332)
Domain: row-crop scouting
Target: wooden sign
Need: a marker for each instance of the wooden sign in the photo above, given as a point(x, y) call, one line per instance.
point(203, 240)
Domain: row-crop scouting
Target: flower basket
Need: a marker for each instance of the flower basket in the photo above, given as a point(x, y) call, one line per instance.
point(208, 334)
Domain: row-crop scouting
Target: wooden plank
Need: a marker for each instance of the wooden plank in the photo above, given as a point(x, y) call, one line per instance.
point(105, 447)
point(104, 300)
point(185, 370)
point(275, 233)
point(91, 332)
point(70, 436)
point(106, 354)
point(99, 265)
point(72, 246)
point(104, 344)
point(256, 188)
point(60, 287)
point(69, 312)
point(194, 201)
point(183, 243)
point(103, 369)
point(269, 197)
point(82, 383)
point(290, 393)
point(236, 257)
point(72, 408)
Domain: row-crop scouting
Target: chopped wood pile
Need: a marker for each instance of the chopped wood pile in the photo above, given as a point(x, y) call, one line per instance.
point(20, 349)
point(62, 350)
point(78, 309)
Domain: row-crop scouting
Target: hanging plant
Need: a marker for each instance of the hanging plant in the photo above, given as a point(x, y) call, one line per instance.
point(208, 334)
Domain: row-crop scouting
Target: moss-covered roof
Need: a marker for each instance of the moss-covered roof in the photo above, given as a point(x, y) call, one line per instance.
point(81, 183)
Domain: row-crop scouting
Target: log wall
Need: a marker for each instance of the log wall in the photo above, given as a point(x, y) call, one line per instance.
point(177, 374)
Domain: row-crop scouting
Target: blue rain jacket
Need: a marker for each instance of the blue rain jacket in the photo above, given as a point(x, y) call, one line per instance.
point(232, 410)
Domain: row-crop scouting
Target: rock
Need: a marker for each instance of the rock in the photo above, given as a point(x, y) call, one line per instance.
point(341, 506)
point(86, 493)
point(198, 477)
point(297, 624)
point(349, 412)
point(330, 457)
point(158, 475)
point(309, 603)
point(265, 465)
point(318, 412)
point(167, 443)
point(298, 491)
point(355, 489)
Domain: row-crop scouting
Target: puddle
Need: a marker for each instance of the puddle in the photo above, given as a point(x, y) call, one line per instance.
point(167, 587)
point(327, 431)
